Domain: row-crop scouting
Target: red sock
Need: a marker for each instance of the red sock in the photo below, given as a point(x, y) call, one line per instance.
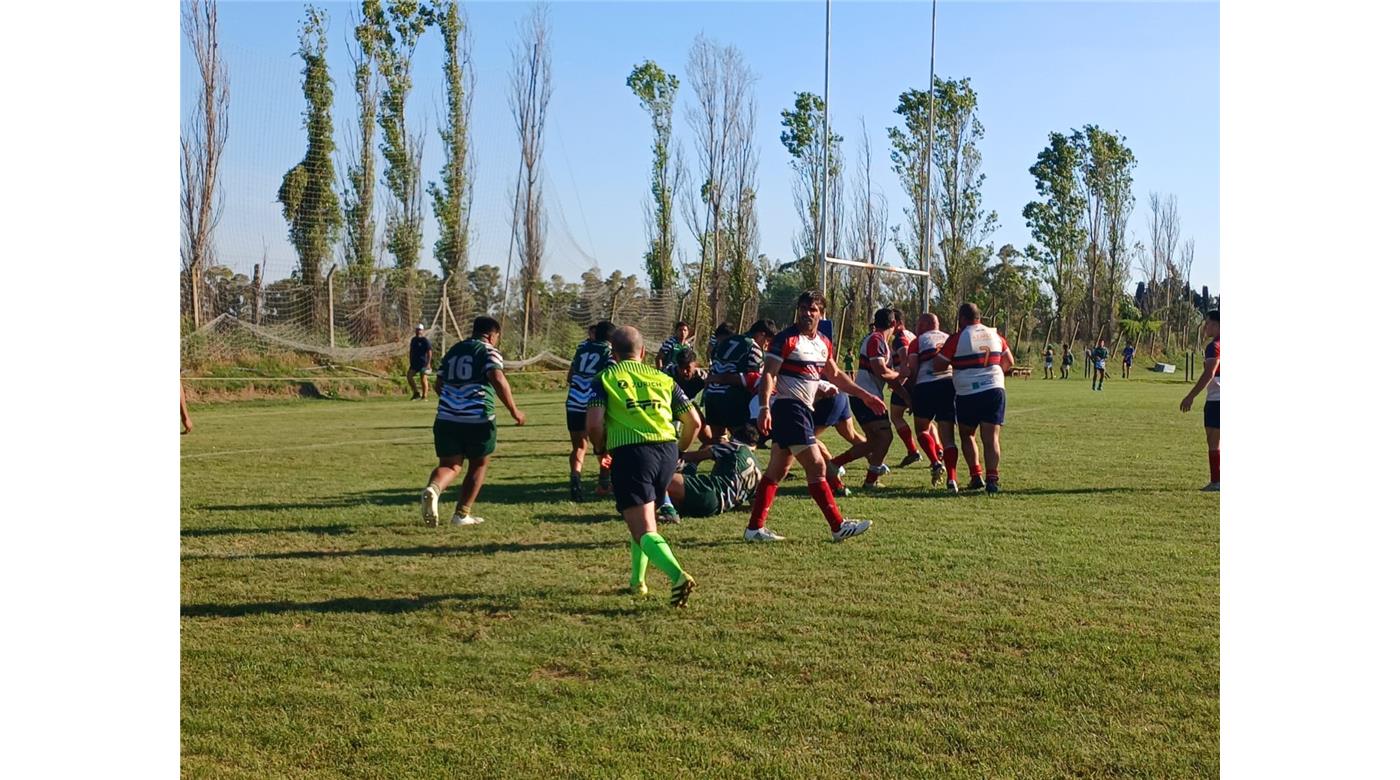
point(950, 461)
point(1215, 465)
point(821, 493)
point(845, 457)
point(976, 470)
point(930, 445)
point(907, 436)
point(762, 500)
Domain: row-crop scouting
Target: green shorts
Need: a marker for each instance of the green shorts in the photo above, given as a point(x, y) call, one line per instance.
point(701, 499)
point(469, 440)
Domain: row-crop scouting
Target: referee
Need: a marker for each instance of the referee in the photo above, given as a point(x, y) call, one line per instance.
point(632, 415)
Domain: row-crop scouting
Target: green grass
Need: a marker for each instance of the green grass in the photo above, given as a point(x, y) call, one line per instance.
point(1068, 627)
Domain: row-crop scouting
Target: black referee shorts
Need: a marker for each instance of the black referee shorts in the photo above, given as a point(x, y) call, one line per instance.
point(641, 472)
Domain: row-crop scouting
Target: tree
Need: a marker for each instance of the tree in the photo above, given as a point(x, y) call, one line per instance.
point(308, 197)
point(358, 194)
point(740, 217)
point(960, 224)
point(1105, 180)
point(1055, 224)
point(909, 153)
point(201, 149)
point(657, 91)
point(801, 136)
point(530, 91)
point(869, 235)
point(398, 30)
point(452, 198)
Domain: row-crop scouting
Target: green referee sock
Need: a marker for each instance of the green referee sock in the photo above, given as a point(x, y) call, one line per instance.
point(639, 565)
point(654, 546)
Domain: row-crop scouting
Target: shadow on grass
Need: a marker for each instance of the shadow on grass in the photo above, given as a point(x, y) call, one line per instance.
point(491, 493)
point(941, 494)
point(620, 605)
point(339, 529)
point(490, 548)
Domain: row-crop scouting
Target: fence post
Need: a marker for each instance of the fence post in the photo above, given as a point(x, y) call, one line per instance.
point(330, 304)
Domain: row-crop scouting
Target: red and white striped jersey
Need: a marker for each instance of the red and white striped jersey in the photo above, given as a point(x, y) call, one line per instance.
point(872, 347)
point(975, 352)
point(903, 342)
point(1213, 388)
point(803, 358)
point(930, 341)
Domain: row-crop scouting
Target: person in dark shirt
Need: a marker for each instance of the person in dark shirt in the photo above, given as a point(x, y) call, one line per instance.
point(1128, 353)
point(1066, 360)
point(420, 356)
point(688, 375)
point(1099, 357)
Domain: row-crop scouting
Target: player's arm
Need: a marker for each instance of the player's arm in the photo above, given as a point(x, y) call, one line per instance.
point(1007, 359)
point(838, 377)
point(498, 380)
point(771, 364)
point(1207, 373)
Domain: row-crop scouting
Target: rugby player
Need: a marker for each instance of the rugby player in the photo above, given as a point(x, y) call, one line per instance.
point(673, 344)
point(730, 484)
point(467, 384)
point(1100, 359)
point(934, 402)
point(797, 360)
point(590, 357)
point(872, 375)
point(1210, 382)
point(980, 359)
point(902, 342)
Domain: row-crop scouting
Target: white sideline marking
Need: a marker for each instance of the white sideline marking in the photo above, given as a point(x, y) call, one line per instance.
point(303, 447)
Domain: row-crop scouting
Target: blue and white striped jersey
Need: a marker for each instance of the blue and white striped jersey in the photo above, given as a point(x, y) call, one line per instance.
point(590, 358)
point(467, 395)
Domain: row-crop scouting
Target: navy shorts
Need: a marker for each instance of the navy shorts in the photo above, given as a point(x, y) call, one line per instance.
point(728, 409)
point(1213, 414)
point(865, 414)
point(935, 400)
point(986, 407)
point(577, 421)
point(792, 423)
point(830, 411)
point(417, 368)
point(898, 400)
point(641, 472)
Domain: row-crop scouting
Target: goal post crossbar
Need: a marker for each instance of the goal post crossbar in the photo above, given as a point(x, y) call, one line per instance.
point(875, 266)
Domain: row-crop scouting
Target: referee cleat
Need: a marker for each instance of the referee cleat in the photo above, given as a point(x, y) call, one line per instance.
point(428, 501)
point(976, 483)
point(761, 535)
point(667, 514)
point(913, 457)
point(1211, 487)
point(993, 486)
point(952, 486)
point(680, 592)
point(850, 528)
point(460, 520)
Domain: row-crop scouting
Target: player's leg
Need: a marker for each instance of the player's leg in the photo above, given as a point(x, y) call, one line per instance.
point(1212, 420)
point(645, 472)
point(814, 467)
point(577, 450)
point(412, 388)
point(422, 383)
point(991, 451)
point(878, 434)
point(480, 442)
point(968, 435)
point(779, 461)
point(836, 467)
point(904, 432)
point(448, 445)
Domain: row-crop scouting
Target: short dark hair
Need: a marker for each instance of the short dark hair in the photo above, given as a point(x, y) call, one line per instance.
point(809, 297)
point(684, 356)
point(898, 315)
point(884, 318)
point(485, 326)
point(763, 326)
point(603, 330)
point(970, 312)
point(723, 330)
point(1213, 315)
point(682, 324)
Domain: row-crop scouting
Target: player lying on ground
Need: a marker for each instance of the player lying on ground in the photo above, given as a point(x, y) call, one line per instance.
point(729, 485)
point(796, 362)
point(467, 384)
point(632, 413)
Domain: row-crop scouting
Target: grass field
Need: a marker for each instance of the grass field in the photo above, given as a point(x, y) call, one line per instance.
point(1068, 627)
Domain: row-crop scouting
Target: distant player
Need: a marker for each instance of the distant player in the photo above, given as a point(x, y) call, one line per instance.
point(686, 372)
point(1049, 360)
point(980, 359)
point(934, 403)
point(1099, 357)
point(1066, 361)
point(1210, 382)
point(420, 357)
point(794, 366)
point(729, 485)
point(874, 372)
point(901, 343)
point(590, 357)
point(632, 413)
point(673, 344)
point(467, 384)
point(1128, 353)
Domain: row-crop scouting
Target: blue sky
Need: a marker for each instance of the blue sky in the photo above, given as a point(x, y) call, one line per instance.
point(1147, 70)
